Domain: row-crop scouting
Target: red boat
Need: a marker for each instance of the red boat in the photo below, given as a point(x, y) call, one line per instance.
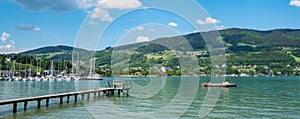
point(224, 84)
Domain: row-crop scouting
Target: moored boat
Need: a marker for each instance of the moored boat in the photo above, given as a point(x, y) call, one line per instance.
point(224, 84)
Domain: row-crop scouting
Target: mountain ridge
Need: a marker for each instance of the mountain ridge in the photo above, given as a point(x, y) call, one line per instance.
point(235, 40)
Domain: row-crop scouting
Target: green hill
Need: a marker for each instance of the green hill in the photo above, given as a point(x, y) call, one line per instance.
point(53, 52)
point(248, 51)
point(48, 49)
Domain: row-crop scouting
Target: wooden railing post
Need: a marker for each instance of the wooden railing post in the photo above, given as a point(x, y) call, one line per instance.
point(75, 96)
point(47, 102)
point(39, 103)
point(88, 97)
point(25, 105)
point(68, 99)
point(61, 100)
point(15, 107)
point(82, 95)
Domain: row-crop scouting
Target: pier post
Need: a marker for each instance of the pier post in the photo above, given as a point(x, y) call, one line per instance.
point(119, 91)
point(112, 92)
point(82, 95)
point(95, 94)
point(47, 102)
point(25, 105)
point(75, 96)
point(99, 93)
point(61, 100)
point(15, 107)
point(68, 99)
point(88, 97)
point(39, 104)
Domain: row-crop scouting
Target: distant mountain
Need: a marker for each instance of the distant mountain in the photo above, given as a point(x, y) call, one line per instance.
point(235, 39)
point(53, 52)
point(48, 49)
point(253, 40)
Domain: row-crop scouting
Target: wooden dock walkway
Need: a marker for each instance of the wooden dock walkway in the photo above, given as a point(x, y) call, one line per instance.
point(120, 86)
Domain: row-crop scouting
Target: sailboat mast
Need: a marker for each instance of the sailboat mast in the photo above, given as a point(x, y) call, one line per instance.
point(51, 68)
point(77, 64)
point(19, 70)
point(25, 68)
point(37, 68)
point(90, 73)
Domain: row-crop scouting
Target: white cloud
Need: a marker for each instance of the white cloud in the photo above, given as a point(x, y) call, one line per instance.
point(139, 28)
point(142, 39)
point(216, 27)
point(56, 5)
point(86, 4)
point(101, 10)
point(101, 14)
point(295, 3)
point(220, 27)
point(151, 29)
point(12, 42)
point(121, 4)
point(92, 22)
point(25, 27)
point(98, 9)
point(4, 37)
point(8, 48)
point(173, 24)
point(208, 20)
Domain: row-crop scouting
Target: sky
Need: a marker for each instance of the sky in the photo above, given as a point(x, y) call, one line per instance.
point(29, 24)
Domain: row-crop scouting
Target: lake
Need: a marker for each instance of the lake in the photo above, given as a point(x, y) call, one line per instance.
point(163, 97)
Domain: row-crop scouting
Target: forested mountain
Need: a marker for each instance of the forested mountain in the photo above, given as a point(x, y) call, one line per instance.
point(48, 49)
point(248, 51)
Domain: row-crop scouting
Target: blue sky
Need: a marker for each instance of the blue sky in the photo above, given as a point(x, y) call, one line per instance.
point(28, 24)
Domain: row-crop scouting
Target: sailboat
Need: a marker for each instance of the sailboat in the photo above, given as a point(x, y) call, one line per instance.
point(19, 78)
point(51, 77)
point(76, 76)
point(37, 77)
point(12, 72)
point(25, 78)
point(92, 75)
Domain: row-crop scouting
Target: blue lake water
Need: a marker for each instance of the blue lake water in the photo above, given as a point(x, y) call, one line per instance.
point(254, 97)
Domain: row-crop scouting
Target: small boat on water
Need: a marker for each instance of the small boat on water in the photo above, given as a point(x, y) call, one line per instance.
point(224, 84)
point(93, 78)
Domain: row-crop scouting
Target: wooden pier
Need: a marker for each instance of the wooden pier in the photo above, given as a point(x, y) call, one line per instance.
point(118, 85)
